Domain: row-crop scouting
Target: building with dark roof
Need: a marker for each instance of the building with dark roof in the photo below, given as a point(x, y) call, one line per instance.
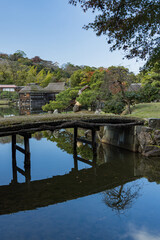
point(32, 97)
point(53, 89)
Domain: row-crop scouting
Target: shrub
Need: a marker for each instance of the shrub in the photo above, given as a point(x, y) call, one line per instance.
point(115, 105)
point(148, 94)
point(9, 95)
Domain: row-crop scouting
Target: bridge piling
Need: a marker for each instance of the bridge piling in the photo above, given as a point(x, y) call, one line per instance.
point(14, 164)
point(26, 151)
point(93, 144)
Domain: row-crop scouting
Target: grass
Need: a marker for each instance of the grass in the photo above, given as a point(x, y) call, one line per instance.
point(146, 110)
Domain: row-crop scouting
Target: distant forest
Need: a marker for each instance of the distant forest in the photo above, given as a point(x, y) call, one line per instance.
point(87, 87)
point(18, 69)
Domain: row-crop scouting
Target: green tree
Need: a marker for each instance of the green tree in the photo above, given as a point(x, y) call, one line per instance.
point(31, 75)
point(96, 91)
point(18, 54)
point(114, 105)
point(81, 77)
point(148, 93)
point(63, 101)
point(48, 78)
point(5, 73)
point(120, 80)
point(70, 69)
point(9, 95)
point(131, 25)
point(152, 76)
point(40, 76)
point(88, 98)
point(77, 77)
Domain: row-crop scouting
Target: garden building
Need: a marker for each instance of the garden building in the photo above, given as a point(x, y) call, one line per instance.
point(53, 89)
point(8, 88)
point(32, 97)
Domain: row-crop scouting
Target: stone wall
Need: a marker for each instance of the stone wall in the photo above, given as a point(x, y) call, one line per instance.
point(148, 140)
point(119, 136)
point(145, 140)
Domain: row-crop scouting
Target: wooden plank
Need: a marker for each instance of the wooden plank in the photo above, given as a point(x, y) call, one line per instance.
point(20, 149)
point(85, 161)
point(28, 135)
point(84, 140)
point(21, 171)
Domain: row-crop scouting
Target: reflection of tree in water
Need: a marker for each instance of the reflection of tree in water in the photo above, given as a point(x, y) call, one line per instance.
point(121, 198)
point(9, 111)
point(8, 139)
point(64, 141)
point(38, 135)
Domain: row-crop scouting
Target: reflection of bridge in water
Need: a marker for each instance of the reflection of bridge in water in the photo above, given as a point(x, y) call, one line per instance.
point(78, 183)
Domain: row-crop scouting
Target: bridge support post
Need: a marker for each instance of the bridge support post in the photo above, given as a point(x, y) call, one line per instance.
point(93, 144)
point(14, 164)
point(94, 147)
point(75, 149)
point(26, 151)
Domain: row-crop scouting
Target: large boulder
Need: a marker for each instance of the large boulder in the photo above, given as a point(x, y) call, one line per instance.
point(55, 111)
point(145, 138)
point(154, 123)
point(152, 151)
point(76, 108)
point(157, 137)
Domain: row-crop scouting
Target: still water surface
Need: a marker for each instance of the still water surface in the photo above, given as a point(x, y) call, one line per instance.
point(8, 111)
point(119, 198)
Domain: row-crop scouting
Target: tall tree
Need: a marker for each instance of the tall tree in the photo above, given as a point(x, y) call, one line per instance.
point(131, 25)
point(18, 54)
point(152, 77)
point(119, 81)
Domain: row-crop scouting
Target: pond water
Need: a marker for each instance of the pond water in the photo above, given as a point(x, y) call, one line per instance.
point(115, 198)
point(8, 111)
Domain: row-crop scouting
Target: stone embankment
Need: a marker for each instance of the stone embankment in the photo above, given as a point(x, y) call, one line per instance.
point(142, 139)
point(149, 138)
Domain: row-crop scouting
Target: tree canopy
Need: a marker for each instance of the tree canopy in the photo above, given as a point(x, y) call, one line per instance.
point(131, 25)
point(91, 88)
point(18, 69)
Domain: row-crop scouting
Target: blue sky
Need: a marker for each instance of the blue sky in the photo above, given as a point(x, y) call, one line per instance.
point(52, 29)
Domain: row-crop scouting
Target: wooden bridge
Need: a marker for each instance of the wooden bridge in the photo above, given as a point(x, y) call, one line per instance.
point(30, 124)
point(35, 194)
point(30, 195)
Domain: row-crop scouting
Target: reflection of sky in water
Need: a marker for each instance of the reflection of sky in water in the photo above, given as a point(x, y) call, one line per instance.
point(84, 218)
point(141, 234)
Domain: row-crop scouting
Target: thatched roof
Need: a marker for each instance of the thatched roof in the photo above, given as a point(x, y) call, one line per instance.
point(31, 87)
point(55, 87)
point(51, 88)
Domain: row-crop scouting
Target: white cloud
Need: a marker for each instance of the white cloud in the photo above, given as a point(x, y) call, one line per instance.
point(141, 234)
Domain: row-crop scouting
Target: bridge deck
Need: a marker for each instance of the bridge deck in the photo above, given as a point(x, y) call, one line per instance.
point(23, 124)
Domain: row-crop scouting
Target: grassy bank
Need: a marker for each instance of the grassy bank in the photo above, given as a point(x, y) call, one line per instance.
point(146, 110)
